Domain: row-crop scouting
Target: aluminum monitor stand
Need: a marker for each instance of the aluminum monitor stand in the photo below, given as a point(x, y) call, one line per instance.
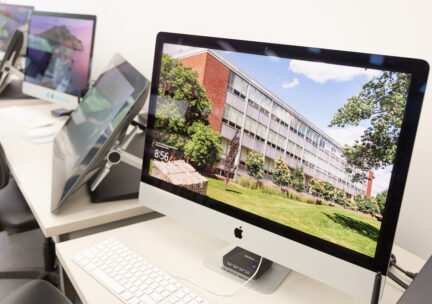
point(115, 156)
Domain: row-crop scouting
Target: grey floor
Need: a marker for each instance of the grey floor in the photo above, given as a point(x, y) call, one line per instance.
point(19, 250)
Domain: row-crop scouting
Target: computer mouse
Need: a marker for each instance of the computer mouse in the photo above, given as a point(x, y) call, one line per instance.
point(41, 132)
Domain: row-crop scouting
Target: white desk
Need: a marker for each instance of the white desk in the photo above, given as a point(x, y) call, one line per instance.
point(179, 249)
point(31, 165)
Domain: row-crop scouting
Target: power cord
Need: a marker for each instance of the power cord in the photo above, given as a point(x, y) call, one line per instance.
point(223, 294)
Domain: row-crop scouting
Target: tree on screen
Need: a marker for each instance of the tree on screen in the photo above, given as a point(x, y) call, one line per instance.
point(316, 187)
point(340, 197)
point(297, 178)
point(182, 114)
point(229, 166)
point(203, 147)
point(255, 165)
point(281, 172)
point(350, 204)
point(366, 204)
point(381, 102)
point(329, 191)
point(182, 102)
point(381, 200)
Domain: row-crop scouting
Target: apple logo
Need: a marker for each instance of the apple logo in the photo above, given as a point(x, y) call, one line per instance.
point(238, 232)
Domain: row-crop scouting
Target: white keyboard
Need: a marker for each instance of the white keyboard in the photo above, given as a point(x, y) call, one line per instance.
point(27, 116)
point(130, 277)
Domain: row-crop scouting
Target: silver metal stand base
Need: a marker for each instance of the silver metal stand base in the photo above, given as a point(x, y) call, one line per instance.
point(266, 284)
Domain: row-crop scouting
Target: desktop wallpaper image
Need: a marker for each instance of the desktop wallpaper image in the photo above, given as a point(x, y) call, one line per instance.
point(59, 53)
point(332, 115)
point(11, 18)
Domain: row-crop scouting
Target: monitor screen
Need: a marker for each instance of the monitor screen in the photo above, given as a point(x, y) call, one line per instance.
point(59, 52)
point(95, 125)
point(299, 141)
point(12, 17)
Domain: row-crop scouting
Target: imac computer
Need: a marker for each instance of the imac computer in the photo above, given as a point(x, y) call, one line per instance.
point(297, 154)
point(100, 121)
point(59, 56)
point(12, 18)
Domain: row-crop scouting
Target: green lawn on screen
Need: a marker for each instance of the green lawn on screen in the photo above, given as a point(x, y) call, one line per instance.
point(340, 226)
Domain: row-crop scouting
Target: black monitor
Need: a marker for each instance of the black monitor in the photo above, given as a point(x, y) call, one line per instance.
point(298, 154)
point(10, 62)
point(101, 118)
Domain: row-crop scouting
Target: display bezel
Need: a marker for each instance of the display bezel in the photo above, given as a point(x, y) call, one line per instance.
point(419, 70)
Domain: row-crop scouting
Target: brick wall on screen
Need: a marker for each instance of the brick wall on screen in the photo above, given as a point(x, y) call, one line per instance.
point(213, 75)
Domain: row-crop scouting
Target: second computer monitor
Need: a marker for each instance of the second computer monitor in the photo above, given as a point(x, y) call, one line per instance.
point(59, 54)
point(12, 18)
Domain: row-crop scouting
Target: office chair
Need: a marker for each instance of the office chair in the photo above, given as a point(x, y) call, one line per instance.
point(36, 292)
point(16, 217)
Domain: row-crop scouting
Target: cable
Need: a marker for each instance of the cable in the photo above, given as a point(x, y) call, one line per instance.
point(221, 294)
point(407, 273)
point(392, 276)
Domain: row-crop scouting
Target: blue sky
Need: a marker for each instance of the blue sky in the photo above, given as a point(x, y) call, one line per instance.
point(317, 101)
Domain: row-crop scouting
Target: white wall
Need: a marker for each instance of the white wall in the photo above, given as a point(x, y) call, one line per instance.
point(391, 27)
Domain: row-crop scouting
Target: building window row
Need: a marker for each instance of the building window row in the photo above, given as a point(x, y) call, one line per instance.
point(237, 85)
point(232, 117)
point(262, 102)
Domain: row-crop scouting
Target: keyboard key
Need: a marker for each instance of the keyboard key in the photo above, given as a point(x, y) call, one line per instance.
point(90, 266)
point(78, 257)
point(180, 294)
point(133, 289)
point(126, 295)
point(105, 279)
point(171, 288)
point(156, 296)
point(187, 299)
point(134, 300)
point(147, 300)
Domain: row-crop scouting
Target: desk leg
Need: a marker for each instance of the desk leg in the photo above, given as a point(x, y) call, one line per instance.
point(69, 290)
point(65, 284)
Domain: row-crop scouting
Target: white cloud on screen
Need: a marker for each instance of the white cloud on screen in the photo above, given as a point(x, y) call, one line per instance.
point(290, 84)
point(381, 180)
point(347, 135)
point(322, 72)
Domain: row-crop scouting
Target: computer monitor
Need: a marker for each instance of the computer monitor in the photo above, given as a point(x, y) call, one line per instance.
point(12, 18)
point(59, 55)
point(93, 128)
point(297, 154)
point(10, 62)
